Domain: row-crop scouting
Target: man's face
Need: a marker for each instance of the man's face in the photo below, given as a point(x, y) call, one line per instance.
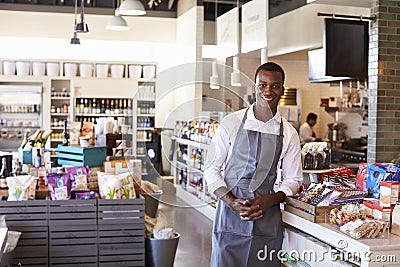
point(269, 89)
point(312, 122)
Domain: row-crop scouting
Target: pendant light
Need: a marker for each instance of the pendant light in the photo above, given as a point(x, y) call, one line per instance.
point(235, 75)
point(75, 39)
point(214, 81)
point(82, 26)
point(117, 23)
point(132, 8)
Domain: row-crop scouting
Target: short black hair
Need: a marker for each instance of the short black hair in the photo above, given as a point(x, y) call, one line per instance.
point(270, 66)
point(311, 116)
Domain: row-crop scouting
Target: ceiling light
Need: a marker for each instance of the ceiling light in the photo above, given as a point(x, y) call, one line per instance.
point(75, 39)
point(82, 26)
point(132, 8)
point(117, 23)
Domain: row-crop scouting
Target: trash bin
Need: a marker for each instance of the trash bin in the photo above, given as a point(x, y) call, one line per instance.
point(161, 252)
point(151, 202)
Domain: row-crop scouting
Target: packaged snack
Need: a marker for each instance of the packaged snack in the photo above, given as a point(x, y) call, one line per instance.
point(78, 177)
point(74, 132)
point(86, 195)
point(128, 186)
point(109, 185)
point(59, 186)
point(12, 241)
point(18, 187)
point(88, 131)
point(375, 176)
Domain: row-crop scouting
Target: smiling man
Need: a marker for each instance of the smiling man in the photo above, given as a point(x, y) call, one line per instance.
point(246, 153)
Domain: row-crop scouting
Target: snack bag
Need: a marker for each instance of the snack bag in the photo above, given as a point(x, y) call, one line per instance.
point(109, 185)
point(78, 177)
point(361, 178)
point(375, 176)
point(59, 186)
point(18, 187)
point(128, 186)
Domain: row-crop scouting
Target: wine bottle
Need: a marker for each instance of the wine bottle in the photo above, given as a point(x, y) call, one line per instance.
point(32, 140)
point(81, 107)
point(94, 108)
point(45, 137)
point(103, 107)
point(120, 107)
point(65, 135)
point(86, 107)
point(125, 111)
point(39, 138)
point(24, 140)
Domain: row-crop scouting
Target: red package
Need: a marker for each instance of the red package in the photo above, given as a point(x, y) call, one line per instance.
point(361, 178)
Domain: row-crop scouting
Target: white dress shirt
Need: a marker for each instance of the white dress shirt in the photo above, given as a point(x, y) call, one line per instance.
point(306, 133)
point(222, 143)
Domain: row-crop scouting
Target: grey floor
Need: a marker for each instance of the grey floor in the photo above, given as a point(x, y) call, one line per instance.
point(194, 248)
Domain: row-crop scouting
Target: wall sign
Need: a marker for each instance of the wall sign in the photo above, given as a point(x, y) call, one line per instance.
point(254, 25)
point(228, 33)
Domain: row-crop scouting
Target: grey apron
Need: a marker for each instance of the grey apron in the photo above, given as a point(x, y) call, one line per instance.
point(250, 171)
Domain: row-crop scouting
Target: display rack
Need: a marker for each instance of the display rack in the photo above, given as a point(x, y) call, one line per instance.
point(188, 175)
point(20, 111)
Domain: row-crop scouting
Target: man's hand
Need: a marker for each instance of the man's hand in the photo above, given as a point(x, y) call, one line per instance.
point(260, 204)
point(238, 205)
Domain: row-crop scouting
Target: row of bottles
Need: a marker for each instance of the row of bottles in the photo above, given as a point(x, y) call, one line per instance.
point(19, 108)
point(104, 106)
point(87, 119)
point(197, 159)
point(143, 135)
point(64, 108)
point(55, 122)
point(63, 93)
point(144, 123)
point(37, 139)
point(199, 130)
point(146, 92)
point(145, 108)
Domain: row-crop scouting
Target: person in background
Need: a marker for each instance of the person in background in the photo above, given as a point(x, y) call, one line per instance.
point(248, 151)
point(306, 131)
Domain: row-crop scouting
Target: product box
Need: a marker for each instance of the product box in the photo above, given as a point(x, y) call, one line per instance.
point(389, 193)
point(383, 213)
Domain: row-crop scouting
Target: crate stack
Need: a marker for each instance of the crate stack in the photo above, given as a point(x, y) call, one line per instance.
point(121, 232)
point(29, 218)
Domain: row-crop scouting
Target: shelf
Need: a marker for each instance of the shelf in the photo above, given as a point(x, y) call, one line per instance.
point(56, 140)
point(57, 128)
point(59, 114)
point(143, 140)
point(59, 98)
point(144, 80)
point(102, 115)
point(21, 112)
point(318, 171)
point(145, 115)
point(146, 129)
point(18, 127)
point(190, 143)
point(147, 100)
point(191, 168)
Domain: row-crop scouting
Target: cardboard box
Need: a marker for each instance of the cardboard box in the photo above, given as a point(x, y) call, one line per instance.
point(389, 193)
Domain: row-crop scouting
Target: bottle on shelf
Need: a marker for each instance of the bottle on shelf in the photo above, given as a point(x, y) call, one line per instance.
point(86, 106)
point(24, 140)
point(37, 160)
point(65, 135)
point(125, 110)
point(32, 140)
point(3, 173)
point(103, 107)
point(94, 108)
point(81, 106)
point(45, 137)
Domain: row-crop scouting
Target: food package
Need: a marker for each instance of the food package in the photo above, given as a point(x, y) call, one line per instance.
point(59, 186)
point(389, 193)
point(128, 186)
point(18, 187)
point(12, 241)
point(78, 176)
point(88, 131)
point(361, 178)
point(396, 220)
point(109, 185)
point(74, 132)
point(86, 195)
point(375, 176)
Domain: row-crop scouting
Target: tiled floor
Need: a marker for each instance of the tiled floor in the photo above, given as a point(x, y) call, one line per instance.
point(194, 248)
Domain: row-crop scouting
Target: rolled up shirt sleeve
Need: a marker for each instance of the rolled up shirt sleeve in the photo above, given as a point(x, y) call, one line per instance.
point(292, 171)
point(216, 158)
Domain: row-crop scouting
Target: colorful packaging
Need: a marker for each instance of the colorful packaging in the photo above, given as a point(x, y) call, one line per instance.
point(86, 195)
point(18, 187)
point(78, 177)
point(59, 186)
point(361, 178)
point(109, 185)
point(375, 176)
point(74, 132)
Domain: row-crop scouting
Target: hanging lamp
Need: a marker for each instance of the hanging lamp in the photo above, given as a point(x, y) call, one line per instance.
point(82, 27)
point(235, 75)
point(75, 39)
point(117, 23)
point(132, 8)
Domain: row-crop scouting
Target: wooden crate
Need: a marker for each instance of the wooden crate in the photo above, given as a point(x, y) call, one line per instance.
point(29, 218)
point(307, 211)
point(121, 232)
point(72, 232)
point(82, 156)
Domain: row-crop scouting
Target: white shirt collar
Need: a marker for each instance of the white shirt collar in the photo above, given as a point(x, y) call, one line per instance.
point(250, 115)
